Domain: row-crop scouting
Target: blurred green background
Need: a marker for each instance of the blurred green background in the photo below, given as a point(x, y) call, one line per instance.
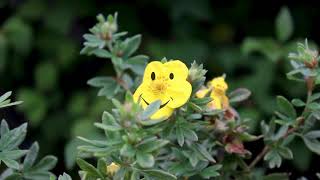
point(40, 42)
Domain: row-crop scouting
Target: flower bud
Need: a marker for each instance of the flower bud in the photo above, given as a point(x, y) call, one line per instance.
point(112, 168)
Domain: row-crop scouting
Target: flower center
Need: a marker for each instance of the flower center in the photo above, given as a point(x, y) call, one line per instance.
point(159, 86)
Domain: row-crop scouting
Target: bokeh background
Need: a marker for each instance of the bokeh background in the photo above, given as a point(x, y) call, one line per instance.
point(40, 42)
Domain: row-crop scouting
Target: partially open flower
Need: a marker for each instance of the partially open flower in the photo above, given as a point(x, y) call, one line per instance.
point(112, 168)
point(217, 88)
point(166, 82)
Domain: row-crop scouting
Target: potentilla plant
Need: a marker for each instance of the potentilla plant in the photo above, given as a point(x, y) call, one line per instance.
point(22, 163)
point(167, 122)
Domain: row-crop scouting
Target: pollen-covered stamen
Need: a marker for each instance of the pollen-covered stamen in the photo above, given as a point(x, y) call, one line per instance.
point(159, 86)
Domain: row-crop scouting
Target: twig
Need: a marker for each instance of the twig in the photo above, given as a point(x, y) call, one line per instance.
point(259, 157)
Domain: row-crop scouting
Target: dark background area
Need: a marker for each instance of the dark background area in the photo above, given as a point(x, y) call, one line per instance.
point(40, 41)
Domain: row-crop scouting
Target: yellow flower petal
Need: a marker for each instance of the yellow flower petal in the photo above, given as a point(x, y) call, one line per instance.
point(179, 93)
point(178, 68)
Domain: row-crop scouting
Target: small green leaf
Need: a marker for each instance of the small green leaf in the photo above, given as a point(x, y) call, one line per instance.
point(311, 142)
point(137, 63)
point(4, 127)
point(10, 163)
point(239, 95)
point(180, 135)
point(145, 160)
point(190, 134)
point(285, 107)
point(13, 154)
point(284, 24)
point(298, 102)
point(314, 106)
point(151, 146)
point(273, 158)
point(205, 153)
point(108, 127)
point(101, 53)
point(285, 152)
point(151, 109)
point(45, 164)
point(85, 166)
point(65, 176)
point(159, 174)
point(101, 81)
point(211, 171)
point(31, 156)
point(127, 150)
point(132, 44)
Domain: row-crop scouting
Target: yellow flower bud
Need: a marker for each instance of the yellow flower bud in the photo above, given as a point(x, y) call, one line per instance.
point(112, 168)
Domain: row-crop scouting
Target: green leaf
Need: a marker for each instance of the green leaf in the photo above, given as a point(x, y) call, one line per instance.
point(10, 163)
point(65, 176)
point(153, 145)
point(108, 119)
point(313, 144)
point(211, 171)
point(101, 81)
point(91, 170)
point(193, 159)
point(108, 127)
point(285, 152)
point(239, 95)
point(202, 150)
point(314, 106)
point(145, 160)
point(109, 86)
point(4, 127)
point(127, 150)
point(45, 164)
point(135, 176)
point(13, 138)
point(132, 44)
point(180, 135)
point(37, 175)
point(31, 156)
point(313, 134)
point(151, 109)
point(284, 24)
point(14, 154)
point(101, 53)
point(137, 64)
point(314, 97)
point(101, 165)
point(159, 174)
point(298, 103)
point(190, 134)
point(285, 107)
point(273, 158)
point(5, 96)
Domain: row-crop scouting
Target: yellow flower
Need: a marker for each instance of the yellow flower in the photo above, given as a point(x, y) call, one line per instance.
point(112, 168)
point(217, 88)
point(165, 82)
